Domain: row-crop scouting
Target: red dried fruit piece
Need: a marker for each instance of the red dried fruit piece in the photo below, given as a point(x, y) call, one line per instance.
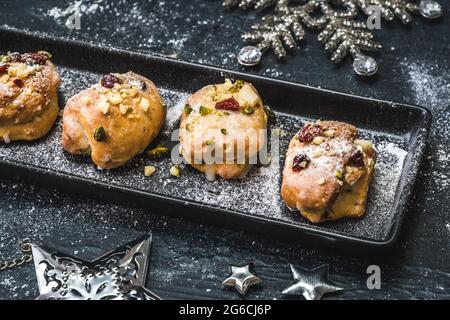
point(15, 57)
point(109, 81)
point(300, 162)
point(308, 132)
point(34, 58)
point(3, 67)
point(229, 104)
point(29, 57)
point(357, 159)
point(18, 82)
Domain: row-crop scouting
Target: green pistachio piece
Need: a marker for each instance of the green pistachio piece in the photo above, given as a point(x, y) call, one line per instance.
point(187, 108)
point(205, 111)
point(236, 87)
point(158, 151)
point(99, 134)
point(248, 111)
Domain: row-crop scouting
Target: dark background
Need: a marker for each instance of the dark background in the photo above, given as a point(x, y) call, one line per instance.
point(190, 260)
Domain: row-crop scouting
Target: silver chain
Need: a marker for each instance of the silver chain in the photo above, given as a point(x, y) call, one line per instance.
point(25, 248)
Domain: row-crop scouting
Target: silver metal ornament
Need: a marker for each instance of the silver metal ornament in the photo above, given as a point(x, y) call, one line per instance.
point(118, 275)
point(312, 284)
point(249, 56)
point(242, 278)
point(430, 9)
point(340, 27)
point(364, 65)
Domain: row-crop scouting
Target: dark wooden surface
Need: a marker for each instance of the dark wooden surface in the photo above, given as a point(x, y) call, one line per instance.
point(190, 260)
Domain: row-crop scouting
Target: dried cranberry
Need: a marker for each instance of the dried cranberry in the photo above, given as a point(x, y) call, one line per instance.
point(29, 57)
point(18, 82)
point(357, 159)
point(3, 67)
point(229, 104)
point(143, 86)
point(308, 132)
point(34, 58)
point(15, 57)
point(300, 162)
point(109, 81)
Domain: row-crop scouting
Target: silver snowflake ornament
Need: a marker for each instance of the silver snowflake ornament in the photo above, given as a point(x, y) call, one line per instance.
point(311, 284)
point(337, 21)
point(118, 275)
point(242, 278)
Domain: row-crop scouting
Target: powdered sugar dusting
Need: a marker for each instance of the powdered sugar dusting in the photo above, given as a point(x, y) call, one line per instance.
point(430, 84)
point(257, 194)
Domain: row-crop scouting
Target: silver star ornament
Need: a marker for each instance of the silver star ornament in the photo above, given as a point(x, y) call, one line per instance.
point(312, 284)
point(242, 278)
point(117, 275)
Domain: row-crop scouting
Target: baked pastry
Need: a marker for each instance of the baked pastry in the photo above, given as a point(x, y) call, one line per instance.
point(28, 95)
point(223, 128)
point(327, 171)
point(114, 120)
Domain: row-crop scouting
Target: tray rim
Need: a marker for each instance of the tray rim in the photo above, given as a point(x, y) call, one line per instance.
point(401, 208)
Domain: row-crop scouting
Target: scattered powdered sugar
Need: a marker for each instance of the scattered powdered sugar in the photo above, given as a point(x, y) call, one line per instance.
point(80, 7)
point(257, 194)
point(430, 83)
point(175, 102)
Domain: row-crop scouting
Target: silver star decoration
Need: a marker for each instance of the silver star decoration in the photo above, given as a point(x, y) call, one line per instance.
point(312, 284)
point(242, 278)
point(117, 275)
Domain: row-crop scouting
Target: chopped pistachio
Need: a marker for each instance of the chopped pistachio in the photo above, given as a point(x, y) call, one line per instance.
point(115, 99)
point(124, 109)
point(4, 78)
point(149, 170)
point(45, 53)
point(236, 87)
point(248, 111)
point(175, 170)
point(209, 142)
point(223, 130)
point(189, 127)
point(318, 140)
point(205, 111)
point(5, 59)
point(99, 134)
point(187, 108)
point(145, 104)
point(338, 174)
point(329, 133)
point(364, 144)
point(317, 153)
point(132, 92)
point(158, 151)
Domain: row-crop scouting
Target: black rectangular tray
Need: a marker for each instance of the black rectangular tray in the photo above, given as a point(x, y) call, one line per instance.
point(399, 132)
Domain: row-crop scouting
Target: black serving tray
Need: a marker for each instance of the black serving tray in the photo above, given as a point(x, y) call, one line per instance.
point(398, 130)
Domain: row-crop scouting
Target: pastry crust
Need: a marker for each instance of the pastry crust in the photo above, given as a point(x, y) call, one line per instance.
point(28, 96)
point(223, 141)
point(113, 124)
point(333, 180)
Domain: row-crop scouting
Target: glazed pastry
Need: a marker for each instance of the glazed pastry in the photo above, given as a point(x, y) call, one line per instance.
point(28, 95)
point(222, 129)
point(327, 171)
point(114, 120)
